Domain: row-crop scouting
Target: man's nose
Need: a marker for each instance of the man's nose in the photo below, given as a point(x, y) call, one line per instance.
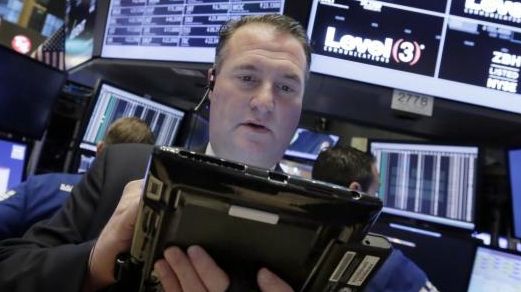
point(263, 99)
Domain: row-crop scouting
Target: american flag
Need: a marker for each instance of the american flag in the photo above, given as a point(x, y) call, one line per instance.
point(52, 50)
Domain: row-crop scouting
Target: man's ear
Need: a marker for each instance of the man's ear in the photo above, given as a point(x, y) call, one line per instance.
point(354, 185)
point(99, 147)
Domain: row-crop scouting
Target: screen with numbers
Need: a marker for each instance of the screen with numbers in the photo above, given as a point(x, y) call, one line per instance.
point(464, 50)
point(428, 182)
point(113, 102)
point(171, 30)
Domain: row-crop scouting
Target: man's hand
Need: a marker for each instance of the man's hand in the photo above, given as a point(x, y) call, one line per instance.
point(269, 282)
point(197, 271)
point(193, 271)
point(116, 237)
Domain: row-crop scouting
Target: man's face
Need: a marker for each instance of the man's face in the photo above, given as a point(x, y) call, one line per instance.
point(257, 98)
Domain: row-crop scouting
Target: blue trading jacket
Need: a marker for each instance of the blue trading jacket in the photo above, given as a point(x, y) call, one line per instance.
point(33, 200)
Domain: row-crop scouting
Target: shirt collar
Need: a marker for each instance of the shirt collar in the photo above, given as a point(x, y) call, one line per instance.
point(209, 151)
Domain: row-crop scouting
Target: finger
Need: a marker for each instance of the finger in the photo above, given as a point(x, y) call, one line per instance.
point(166, 276)
point(127, 209)
point(213, 277)
point(184, 270)
point(269, 282)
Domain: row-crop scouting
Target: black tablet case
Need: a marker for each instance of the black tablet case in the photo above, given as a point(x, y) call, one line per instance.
point(246, 218)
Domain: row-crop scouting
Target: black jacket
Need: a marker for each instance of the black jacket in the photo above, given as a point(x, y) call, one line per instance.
point(53, 254)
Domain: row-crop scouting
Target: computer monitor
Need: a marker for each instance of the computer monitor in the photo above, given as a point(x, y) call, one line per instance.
point(183, 31)
point(12, 164)
point(495, 270)
point(465, 51)
point(428, 182)
point(112, 102)
point(28, 92)
point(307, 144)
point(80, 34)
point(514, 171)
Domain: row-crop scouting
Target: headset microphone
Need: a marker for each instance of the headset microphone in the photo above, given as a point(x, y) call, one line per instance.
point(209, 87)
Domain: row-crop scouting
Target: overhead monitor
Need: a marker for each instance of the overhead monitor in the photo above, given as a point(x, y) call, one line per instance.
point(467, 51)
point(173, 30)
point(28, 92)
point(80, 33)
point(12, 164)
point(495, 270)
point(514, 170)
point(307, 144)
point(112, 102)
point(428, 182)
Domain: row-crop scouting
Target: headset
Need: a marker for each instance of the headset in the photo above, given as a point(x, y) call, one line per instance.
point(209, 87)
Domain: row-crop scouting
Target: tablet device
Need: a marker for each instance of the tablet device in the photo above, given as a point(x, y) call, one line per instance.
point(245, 218)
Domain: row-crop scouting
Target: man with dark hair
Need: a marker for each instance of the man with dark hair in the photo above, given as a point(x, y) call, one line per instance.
point(352, 168)
point(348, 167)
point(40, 196)
point(255, 105)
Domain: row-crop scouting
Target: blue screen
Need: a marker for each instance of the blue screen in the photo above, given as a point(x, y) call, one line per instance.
point(308, 144)
point(12, 162)
point(514, 159)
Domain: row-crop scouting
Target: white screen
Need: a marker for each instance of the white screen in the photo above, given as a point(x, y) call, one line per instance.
point(435, 183)
point(160, 30)
point(494, 270)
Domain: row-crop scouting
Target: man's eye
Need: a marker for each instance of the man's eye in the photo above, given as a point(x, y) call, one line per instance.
point(285, 88)
point(246, 78)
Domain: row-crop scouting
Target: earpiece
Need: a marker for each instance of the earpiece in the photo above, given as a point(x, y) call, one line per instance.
point(211, 79)
point(209, 87)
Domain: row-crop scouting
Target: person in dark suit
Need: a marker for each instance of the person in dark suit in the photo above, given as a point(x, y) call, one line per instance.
point(352, 168)
point(40, 196)
point(257, 82)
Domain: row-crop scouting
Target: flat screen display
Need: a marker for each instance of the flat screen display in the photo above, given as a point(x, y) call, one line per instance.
point(514, 170)
point(495, 270)
point(28, 92)
point(307, 144)
point(79, 40)
point(460, 50)
point(173, 30)
point(428, 182)
point(12, 164)
point(113, 103)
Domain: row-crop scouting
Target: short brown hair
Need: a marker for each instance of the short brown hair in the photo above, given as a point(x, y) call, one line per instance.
point(281, 23)
point(129, 130)
point(343, 165)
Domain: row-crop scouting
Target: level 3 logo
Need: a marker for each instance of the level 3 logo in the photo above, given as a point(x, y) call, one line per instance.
point(384, 51)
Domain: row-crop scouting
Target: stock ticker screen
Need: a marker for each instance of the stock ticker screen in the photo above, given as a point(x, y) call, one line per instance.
point(465, 50)
point(172, 30)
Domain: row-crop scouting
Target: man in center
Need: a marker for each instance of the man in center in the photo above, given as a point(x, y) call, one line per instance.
point(258, 81)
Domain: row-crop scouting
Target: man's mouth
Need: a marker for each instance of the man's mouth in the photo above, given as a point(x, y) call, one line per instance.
point(256, 127)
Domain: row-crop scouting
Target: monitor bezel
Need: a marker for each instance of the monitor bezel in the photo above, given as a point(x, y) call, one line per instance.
point(430, 221)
